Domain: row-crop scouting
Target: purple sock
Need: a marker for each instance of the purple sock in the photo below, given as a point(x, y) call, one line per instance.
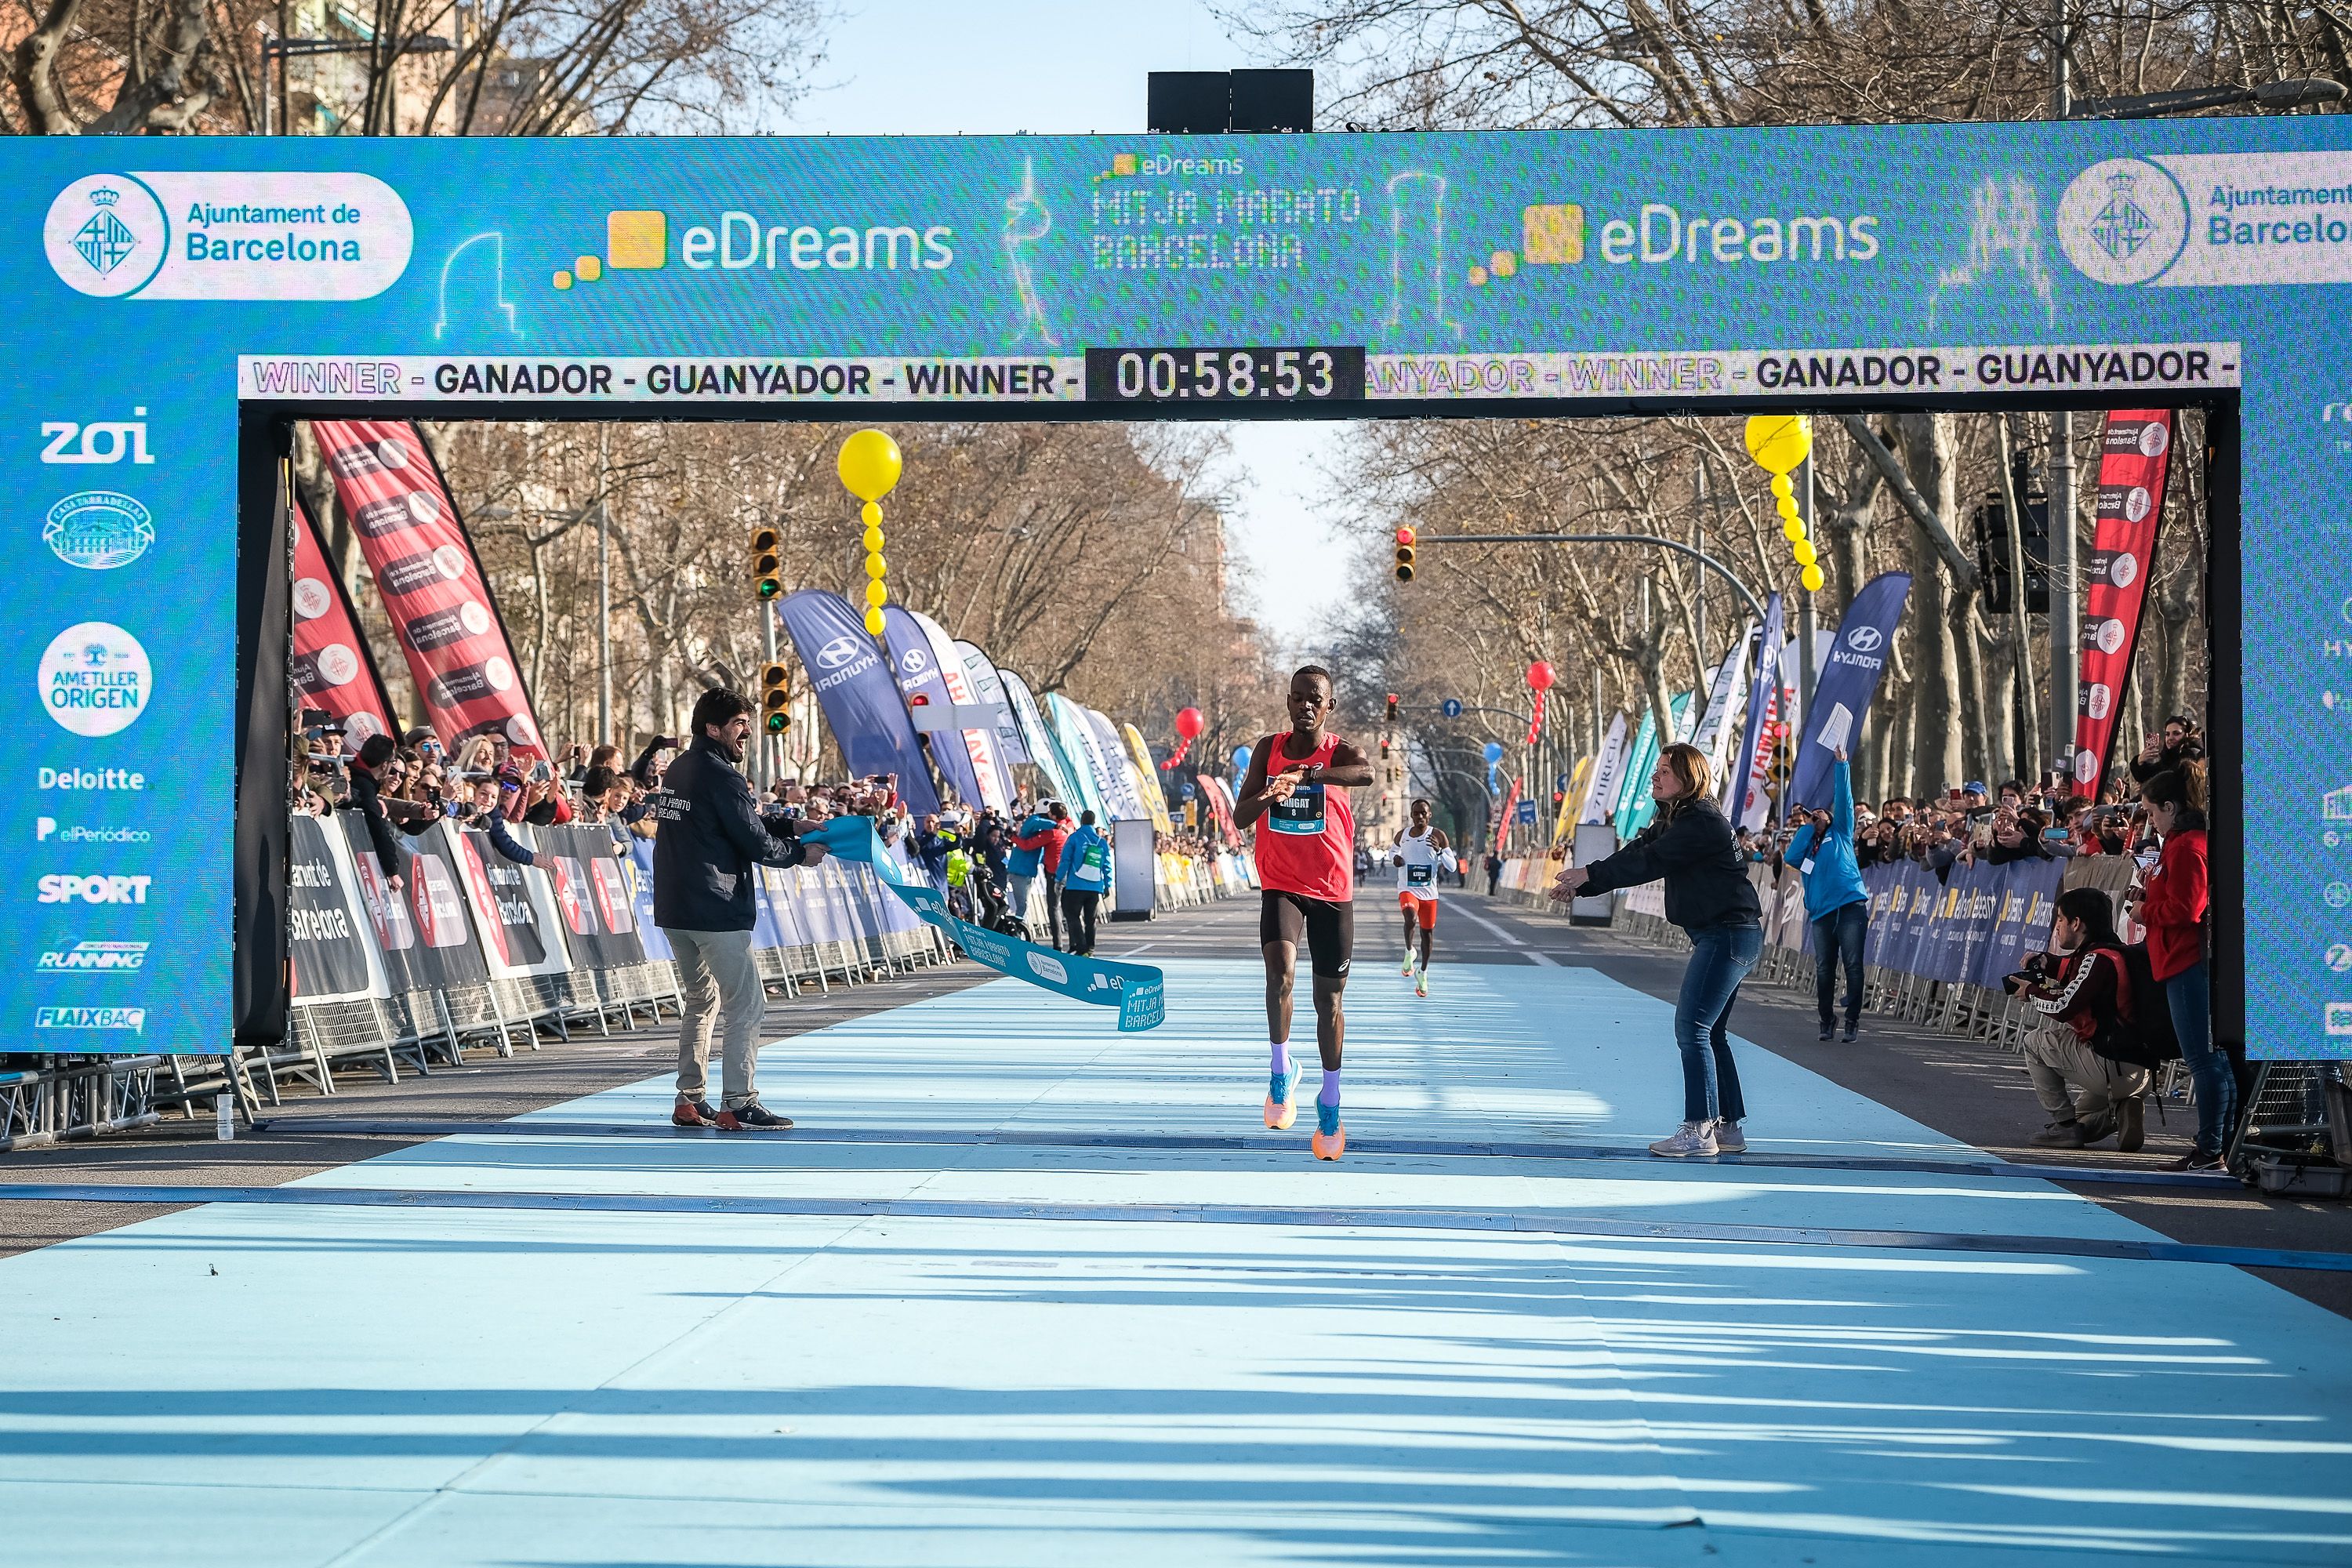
point(1281, 1055)
point(1330, 1093)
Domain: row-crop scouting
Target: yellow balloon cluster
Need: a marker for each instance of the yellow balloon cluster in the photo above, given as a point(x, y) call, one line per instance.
point(1779, 442)
point(869, 466)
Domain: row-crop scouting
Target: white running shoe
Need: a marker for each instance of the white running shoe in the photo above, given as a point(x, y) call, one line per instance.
point(1729, 1138)
point(1407, 970)
point(1690, 1137)
point(1420, 983)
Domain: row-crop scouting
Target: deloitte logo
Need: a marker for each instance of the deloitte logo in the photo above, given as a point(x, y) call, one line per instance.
point(2122, 221)
point(99, 530)
point(94, 678)
point(106, 235)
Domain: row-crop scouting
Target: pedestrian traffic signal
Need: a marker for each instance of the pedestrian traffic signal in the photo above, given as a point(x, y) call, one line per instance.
point(1392, 707)
point(776, 698)
point(766, 563)
point(1405, 537)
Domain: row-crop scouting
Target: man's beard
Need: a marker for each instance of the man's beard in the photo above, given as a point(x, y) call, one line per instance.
point(729, 747)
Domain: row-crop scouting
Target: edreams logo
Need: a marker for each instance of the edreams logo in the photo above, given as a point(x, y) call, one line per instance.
point(183, 235)
point(94, 958)
point(99, 530)
point(94, 678)
point(2123, 221)
point(637, 240)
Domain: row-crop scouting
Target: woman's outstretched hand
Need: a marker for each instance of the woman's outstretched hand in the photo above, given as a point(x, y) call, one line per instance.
point(1566, 884)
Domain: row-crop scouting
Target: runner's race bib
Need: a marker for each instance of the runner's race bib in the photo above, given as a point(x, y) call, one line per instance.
point(1302, 813)
point(1420, 876)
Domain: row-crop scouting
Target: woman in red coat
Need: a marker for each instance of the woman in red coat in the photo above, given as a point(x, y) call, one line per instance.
point(2172, 906)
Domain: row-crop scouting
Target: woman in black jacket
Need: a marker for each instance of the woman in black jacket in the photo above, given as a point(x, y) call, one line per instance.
point(1692, 847)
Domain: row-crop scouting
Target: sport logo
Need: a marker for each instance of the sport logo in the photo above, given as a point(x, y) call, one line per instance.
point(1866, 639)
point(837, 653)
point(99, 530)
point(94, 958)
point(106, 235)
point(64, 888)
point(94, 678)
point(2122, 221)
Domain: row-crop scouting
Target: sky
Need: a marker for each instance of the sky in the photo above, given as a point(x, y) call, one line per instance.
point(929, 68)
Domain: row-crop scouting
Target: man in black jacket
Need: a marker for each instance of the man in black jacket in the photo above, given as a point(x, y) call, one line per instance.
point(367, 799)
point(705, 898)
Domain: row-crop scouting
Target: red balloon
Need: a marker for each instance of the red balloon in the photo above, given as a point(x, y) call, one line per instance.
point(1540, 676)
point(1189, 723)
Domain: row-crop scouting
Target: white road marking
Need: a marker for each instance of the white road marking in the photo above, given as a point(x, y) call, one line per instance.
point(1534, 954)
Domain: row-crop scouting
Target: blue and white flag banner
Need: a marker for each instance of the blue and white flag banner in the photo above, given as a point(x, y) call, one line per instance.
point(1138, 991)
point(1744, 778)
point(1842, 697)
point(860, 696)
point(923, 682)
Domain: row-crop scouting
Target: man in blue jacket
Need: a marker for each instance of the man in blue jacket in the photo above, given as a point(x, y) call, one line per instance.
point(705, 898)
point(1084, 876)
point(1835, 901)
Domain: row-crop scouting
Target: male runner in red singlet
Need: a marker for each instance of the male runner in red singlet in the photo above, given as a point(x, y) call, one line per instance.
point(1306, 865)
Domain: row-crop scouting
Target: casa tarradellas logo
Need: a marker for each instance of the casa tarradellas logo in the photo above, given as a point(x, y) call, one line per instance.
point(2123, 221)
point(106, 235)
point(99, 530)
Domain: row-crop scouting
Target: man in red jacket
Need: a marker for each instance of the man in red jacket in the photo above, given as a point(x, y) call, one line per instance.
point(1045, 835)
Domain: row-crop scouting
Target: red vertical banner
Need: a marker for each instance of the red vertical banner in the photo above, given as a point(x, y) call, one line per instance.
point(1503, 822)
point(2134, 454)
point(333, 667)
point(431, 581)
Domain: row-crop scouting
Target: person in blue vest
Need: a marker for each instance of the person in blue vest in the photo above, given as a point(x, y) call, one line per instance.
point(1028, 855)
point(1835, 901)
point(1084, 876)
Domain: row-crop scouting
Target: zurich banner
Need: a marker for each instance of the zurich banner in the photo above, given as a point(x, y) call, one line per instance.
point(1138, 991)
point(1842, 699)
point(859, 697)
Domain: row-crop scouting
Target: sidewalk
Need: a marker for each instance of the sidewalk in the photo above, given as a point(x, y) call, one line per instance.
point(1147, 1332)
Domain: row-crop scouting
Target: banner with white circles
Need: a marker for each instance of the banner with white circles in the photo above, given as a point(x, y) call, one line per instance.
point(332, 668)
point(391, 490)
point(2134, 454)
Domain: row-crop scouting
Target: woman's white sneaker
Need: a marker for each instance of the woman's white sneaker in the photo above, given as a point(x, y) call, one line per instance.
point(1729, 1138)
point(1690, 1137)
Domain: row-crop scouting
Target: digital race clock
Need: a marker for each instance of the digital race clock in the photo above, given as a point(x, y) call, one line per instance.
point(1224, 375)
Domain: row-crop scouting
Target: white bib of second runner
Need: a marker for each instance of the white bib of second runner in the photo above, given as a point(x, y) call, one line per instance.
point(1419, 872)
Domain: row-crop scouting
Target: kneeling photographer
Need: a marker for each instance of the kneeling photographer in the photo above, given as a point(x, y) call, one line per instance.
point(2090, 1057)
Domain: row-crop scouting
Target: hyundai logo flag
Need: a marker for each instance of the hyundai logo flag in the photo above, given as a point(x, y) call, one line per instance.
point(1842, 698)
point(859, 697)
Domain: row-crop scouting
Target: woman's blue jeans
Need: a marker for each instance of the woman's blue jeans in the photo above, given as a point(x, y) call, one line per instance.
point(2190, 993)
point(1720, 958)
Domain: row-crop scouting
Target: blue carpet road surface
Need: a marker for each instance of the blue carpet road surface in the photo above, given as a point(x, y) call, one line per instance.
point(366, 1386)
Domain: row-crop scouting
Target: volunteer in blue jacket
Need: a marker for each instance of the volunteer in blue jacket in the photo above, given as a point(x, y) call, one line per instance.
point(1028, 854)
point(1835, 901)
point(1086, 878)
point(706, 897)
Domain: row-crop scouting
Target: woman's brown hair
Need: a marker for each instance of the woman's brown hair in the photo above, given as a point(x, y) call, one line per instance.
point(1689, 764)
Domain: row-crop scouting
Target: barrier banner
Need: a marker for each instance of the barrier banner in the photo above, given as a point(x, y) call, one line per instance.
point(326, 933)
point(2134, 454)
point(855, 687)
point(641, 900)
point(2025, 899)
point(431, 580)
point(1138, 991)
point(334, 667)
point(510, 905)
point(1842, 695)
point(923, 683)
point(426, 940)
point(1751, 766)
point(591, 894)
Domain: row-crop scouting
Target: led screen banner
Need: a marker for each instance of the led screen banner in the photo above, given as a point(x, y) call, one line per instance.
point(174, 300)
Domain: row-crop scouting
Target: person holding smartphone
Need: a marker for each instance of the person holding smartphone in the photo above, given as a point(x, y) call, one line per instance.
point(1837, 904)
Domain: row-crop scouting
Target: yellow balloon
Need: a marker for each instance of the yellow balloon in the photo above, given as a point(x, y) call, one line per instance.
point(1793, 529)
point(876, 596)
point(1812, 579)
point(1804, 552)
point(870, 515)
point(875, 568)
point(1787, 507)
point(1783, 488)
point(1779, 442)
point(868, 465)
point(874, 622)
point(873, 538)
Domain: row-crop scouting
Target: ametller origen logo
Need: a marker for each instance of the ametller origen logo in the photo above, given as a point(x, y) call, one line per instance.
point(2123, 221)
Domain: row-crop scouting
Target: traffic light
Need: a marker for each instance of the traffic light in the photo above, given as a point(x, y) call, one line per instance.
point(766, 563)
point(1405, 537)
point(776, 699)
point(1392, 707)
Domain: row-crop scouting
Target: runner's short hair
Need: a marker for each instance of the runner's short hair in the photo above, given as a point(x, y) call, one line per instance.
point(1314, 669)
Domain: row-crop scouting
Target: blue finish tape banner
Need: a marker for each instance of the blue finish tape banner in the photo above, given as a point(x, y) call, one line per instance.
point(1138, 991)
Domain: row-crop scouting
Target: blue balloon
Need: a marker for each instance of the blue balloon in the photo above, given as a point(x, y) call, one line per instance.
point(1241, 759)
point(1494, 751)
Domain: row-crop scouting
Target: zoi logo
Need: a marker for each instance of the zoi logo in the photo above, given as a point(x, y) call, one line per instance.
point(837, 653)
point(2123, 221)
point(107, 441)
point(94, 678)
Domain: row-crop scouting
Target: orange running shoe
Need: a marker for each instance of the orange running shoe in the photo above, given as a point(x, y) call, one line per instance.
point(1282, 1096)
point(1330, 1140)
